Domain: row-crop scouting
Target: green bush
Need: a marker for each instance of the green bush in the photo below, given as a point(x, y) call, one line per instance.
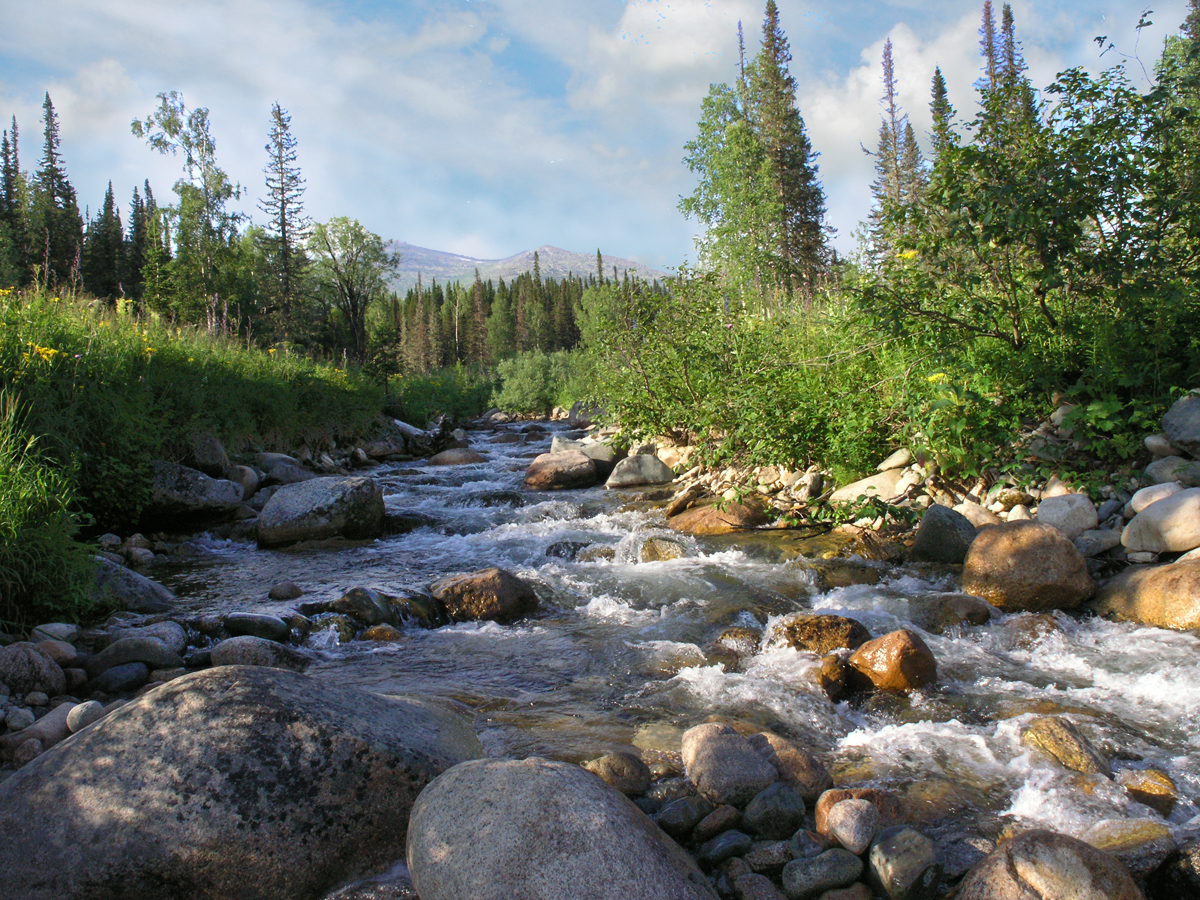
point(44, 572)
point(459, 393)
point(534, 382)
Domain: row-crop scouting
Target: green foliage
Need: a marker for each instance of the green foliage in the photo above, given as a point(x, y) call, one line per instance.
point(44, 572)
point(533, 382)
point(458, 392)
point(109, 392)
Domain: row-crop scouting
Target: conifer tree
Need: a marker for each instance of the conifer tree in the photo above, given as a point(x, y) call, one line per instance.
point(14, 239)
point(1191, 25)
point(502, 325)
point(56, 234)
point(103, 251)
point(478, 349)
point(942, 112)
point(900, 176)
point(287, 226)
point(987, 43)
point(136, 241)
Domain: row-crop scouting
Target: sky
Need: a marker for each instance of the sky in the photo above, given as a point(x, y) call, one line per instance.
point(490, 127)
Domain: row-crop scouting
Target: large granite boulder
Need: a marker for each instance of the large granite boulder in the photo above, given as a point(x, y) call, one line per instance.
point(126, 589)
point(943, 536)
point(602, 454)
point(1168, 525)
point(1026, 566)
point(457, 456)
point(206, 454)
point(1181, 424)
point(1042, 865)
point(568, 470)
point(179, 492)
point(239, 783)
point(491, 594)
point(886, 485)
point(26, 667)
point(720, 518)
point(1162, 596)
point(540, 830)
point(322, 508)
point(642, 468)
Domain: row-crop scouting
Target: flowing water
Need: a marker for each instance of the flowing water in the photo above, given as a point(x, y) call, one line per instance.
point(618, 653)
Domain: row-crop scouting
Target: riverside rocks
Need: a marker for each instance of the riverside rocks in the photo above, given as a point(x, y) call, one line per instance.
point(1142, 844)
point(641, 468)
point(1174, 468)
point(624, 771)
point(1171, 524)
point(1072, 514)
point(1162, 596)
point(821, 633)
point(127, 589)
point(723, 519)
point(805, 878)
point(493, 594)
point(1062, 740)
point(853, 824)
point(561, 472)
point(266, 784)
point(796, 765)
point(944, 536)
point(898, 662)
point(1026, 566)
point(177, 491)
point(776, 813)
point(322, 508)
point(497, 830)
point(25, 667)
point(457, 456)
point(149, 650)
point(247, 650)
point(885, 485)
point(903, 864)
point(1041, 865)
point(1181, 424)
point(724, 766)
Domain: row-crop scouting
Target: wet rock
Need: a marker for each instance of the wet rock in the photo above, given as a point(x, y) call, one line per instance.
point(1179, 877)
point(660, 550)
point(1150, 787)
point(822, 633)
point(419, 609)
point(776, 813)
point(384, 634)
point(853, 824)
point(639, 469)
point(1181, 424)
point(903, 864)
point(755, 887)
point(944, 536)
point(1142, 844)
point(722, 819)
point(796, 766)
point(49, 730)
point(724, 846)
point(835, 676)
point(121, 679)
point(285, 590)
point(24, 667)
point(561, 472)
point(322, 508)
point(806, 878)
point(886, 802)
point(603, 455)
point(1072, 514)
point(400, 521)
point(596, 554)
point(1026, 566)
point(1041, 865)
point(1093, 543)
point(83, 715)
point(496, 830)
point(885, 485)
point(899, 661)
point(275, 756)
point(1174, 468)
point(738, 640)
point(459, 456)
point(341, 625)
point(1161, 596)
point(565, 549)
point(724, 766)
point(679, 817)
point(144, 649)
point(366, 605)
point(724, 518)
point(247, 650)
point(177, 491)
point(272, 628)
point(623, 770)
point(126, 589)
point(1170, 525)
point(172, 634)
point(1062, 740)
point(492, 594)
point(937, 613)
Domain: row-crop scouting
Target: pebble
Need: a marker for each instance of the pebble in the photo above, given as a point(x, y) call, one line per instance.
point(84, 715)
point(776, 812)
point(805, 878)
point(36, 698)
point(853, 824)
point(723, 846)
point(720, 819)
point(624, 771)
point(679, 817)
point(902, 863)
point(670, 789)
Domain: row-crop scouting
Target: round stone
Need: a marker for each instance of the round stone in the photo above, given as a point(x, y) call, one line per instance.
point(853, 824)
point(776, 813)
point(84, 715)
point(805, 878)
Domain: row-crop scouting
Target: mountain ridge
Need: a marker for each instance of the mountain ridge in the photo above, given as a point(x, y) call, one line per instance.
point(554, 262)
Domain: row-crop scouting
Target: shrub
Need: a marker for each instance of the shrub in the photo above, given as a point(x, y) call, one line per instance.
point(533, 382)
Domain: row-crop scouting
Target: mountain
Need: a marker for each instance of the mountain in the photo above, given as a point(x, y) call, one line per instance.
point(553, 261)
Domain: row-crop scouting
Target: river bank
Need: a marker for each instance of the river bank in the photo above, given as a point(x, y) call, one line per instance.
point(643, 632)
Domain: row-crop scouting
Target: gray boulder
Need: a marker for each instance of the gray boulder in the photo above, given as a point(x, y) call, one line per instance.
point(568, 470)
point(724, 766)
point(25, 667)
point(149, 650)
point(268, 627)
point(265, 784)
point(322, 508)
point(248, 650)
point(1162, 596)
point(492, 594)
point(639, 469)
point(944, 536)
point(1169, 525)
point(1026, 566)
point(127, 589)
point(1181, 424)
point(177, 491)
point(602, 454)
point(885, 485)
point(1042, 865)
point(1174, 468)
point(540, 830)
point(1072, 514)
point(206, 454)
point(170, 633)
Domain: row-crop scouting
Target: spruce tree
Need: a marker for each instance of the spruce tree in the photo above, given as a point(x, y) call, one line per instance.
point(287, 225)
point(900, 176)
point(1191, 25)
point(103, 251)
point(987, 44)
point(136, 247)
point(14, 240)
point(942, 113)
point(798, 240)
point(56, 234)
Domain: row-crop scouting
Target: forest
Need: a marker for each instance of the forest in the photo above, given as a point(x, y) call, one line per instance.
point(1040, 246)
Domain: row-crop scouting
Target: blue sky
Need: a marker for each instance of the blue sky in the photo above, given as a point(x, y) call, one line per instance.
point(488, 127)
